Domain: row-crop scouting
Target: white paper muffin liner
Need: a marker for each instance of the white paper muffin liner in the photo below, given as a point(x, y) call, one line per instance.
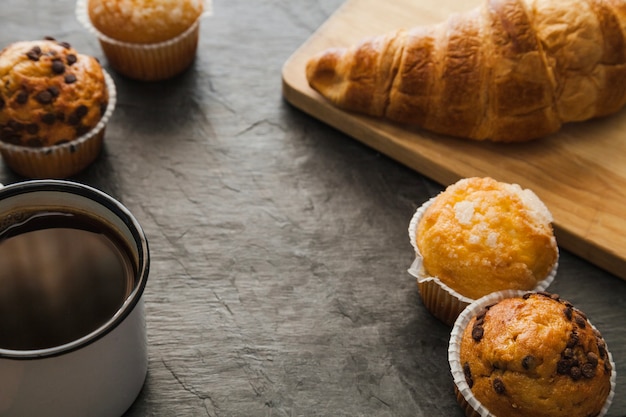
point(63, 160)
point(147, 62)
point(442, 301)
point(465, 396)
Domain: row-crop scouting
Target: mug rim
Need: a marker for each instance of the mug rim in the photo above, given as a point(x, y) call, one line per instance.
point(120, 211)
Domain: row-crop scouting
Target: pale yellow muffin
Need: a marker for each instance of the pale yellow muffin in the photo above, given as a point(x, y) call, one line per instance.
point(535, 356)
point(481, 235)
point(49, 93)
point(143, 21)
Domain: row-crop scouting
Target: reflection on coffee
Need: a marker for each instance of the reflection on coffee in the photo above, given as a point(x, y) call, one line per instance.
point(61, 277)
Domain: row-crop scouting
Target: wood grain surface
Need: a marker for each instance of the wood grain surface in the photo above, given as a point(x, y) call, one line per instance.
point(579, 172)
point(279, 251)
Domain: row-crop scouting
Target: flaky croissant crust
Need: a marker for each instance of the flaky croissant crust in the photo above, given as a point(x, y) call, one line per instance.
point(509, 70)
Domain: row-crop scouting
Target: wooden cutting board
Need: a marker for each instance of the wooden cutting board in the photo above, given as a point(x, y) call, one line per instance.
point(580, 172)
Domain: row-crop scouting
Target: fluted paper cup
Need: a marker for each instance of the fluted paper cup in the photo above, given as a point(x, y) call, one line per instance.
point(464, 395)
point(62, 160)
point(147, 62)
point(439, 299)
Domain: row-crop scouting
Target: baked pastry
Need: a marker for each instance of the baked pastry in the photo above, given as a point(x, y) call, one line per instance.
point(480, 236)
point(531, 355)
point(510, 70)
point(147, 40)
point(144, 21)
point(50, 95)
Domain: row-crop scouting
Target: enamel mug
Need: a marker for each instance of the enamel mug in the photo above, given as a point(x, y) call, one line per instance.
point(73, 268)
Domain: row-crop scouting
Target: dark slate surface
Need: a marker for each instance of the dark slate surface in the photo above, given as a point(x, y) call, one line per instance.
point(279, 247)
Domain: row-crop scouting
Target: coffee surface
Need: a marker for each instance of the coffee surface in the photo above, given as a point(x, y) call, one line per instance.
point(61, 277)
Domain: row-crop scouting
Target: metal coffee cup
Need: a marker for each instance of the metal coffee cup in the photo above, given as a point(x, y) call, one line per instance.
point(74, 264)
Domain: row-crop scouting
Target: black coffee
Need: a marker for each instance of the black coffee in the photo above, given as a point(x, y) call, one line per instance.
point(61, 277)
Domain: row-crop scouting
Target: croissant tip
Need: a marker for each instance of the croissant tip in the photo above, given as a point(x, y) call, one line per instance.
point(321, 69)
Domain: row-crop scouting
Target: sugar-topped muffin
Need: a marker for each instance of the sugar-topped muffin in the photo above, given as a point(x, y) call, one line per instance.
point(479, 236)
point(535, 355)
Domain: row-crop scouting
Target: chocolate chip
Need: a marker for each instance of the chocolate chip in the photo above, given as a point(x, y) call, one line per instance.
point(103, 108)
point(32, 128)
point(15, 125)
point(607, 367)
point(82, 129)
point(477, 333)
point(580, 321)
point(2, 103)
point(70, 78)
point(592, 358)
point(73, 119)
point(71, 59)
point(49, 38)
point(34, 142)
point(34, 53)
point(6, 131)
point(48, 118)
point(66, 45)
point(10, 137)
point(528, 362)
point(54, 91)
point(22, 97)
point(60, 116)
point(81, 111)
point(563, 366)
point(44, 97)
point(588, 370)
point(573, 340)
point(498, 386)
point(527, 295)
point(468, 375)
point(575, 373)
point(602, 350)
point(568, 311)
point(58, 67)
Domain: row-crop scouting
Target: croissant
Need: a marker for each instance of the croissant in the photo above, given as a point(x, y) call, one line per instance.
point(509, 70)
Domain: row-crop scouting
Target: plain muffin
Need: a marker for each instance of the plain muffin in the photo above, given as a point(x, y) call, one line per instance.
point(143, 21)
point(481, 235)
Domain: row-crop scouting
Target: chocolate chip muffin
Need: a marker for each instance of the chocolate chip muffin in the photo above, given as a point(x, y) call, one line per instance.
point(147, 40)
point(479, 236)
point(50, 95)
point(535, 355)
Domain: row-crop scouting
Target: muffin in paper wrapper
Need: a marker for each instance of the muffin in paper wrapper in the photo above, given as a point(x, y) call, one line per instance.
point(62, 160)
point(147, 62)
point(439, 299)
point(464, 395)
